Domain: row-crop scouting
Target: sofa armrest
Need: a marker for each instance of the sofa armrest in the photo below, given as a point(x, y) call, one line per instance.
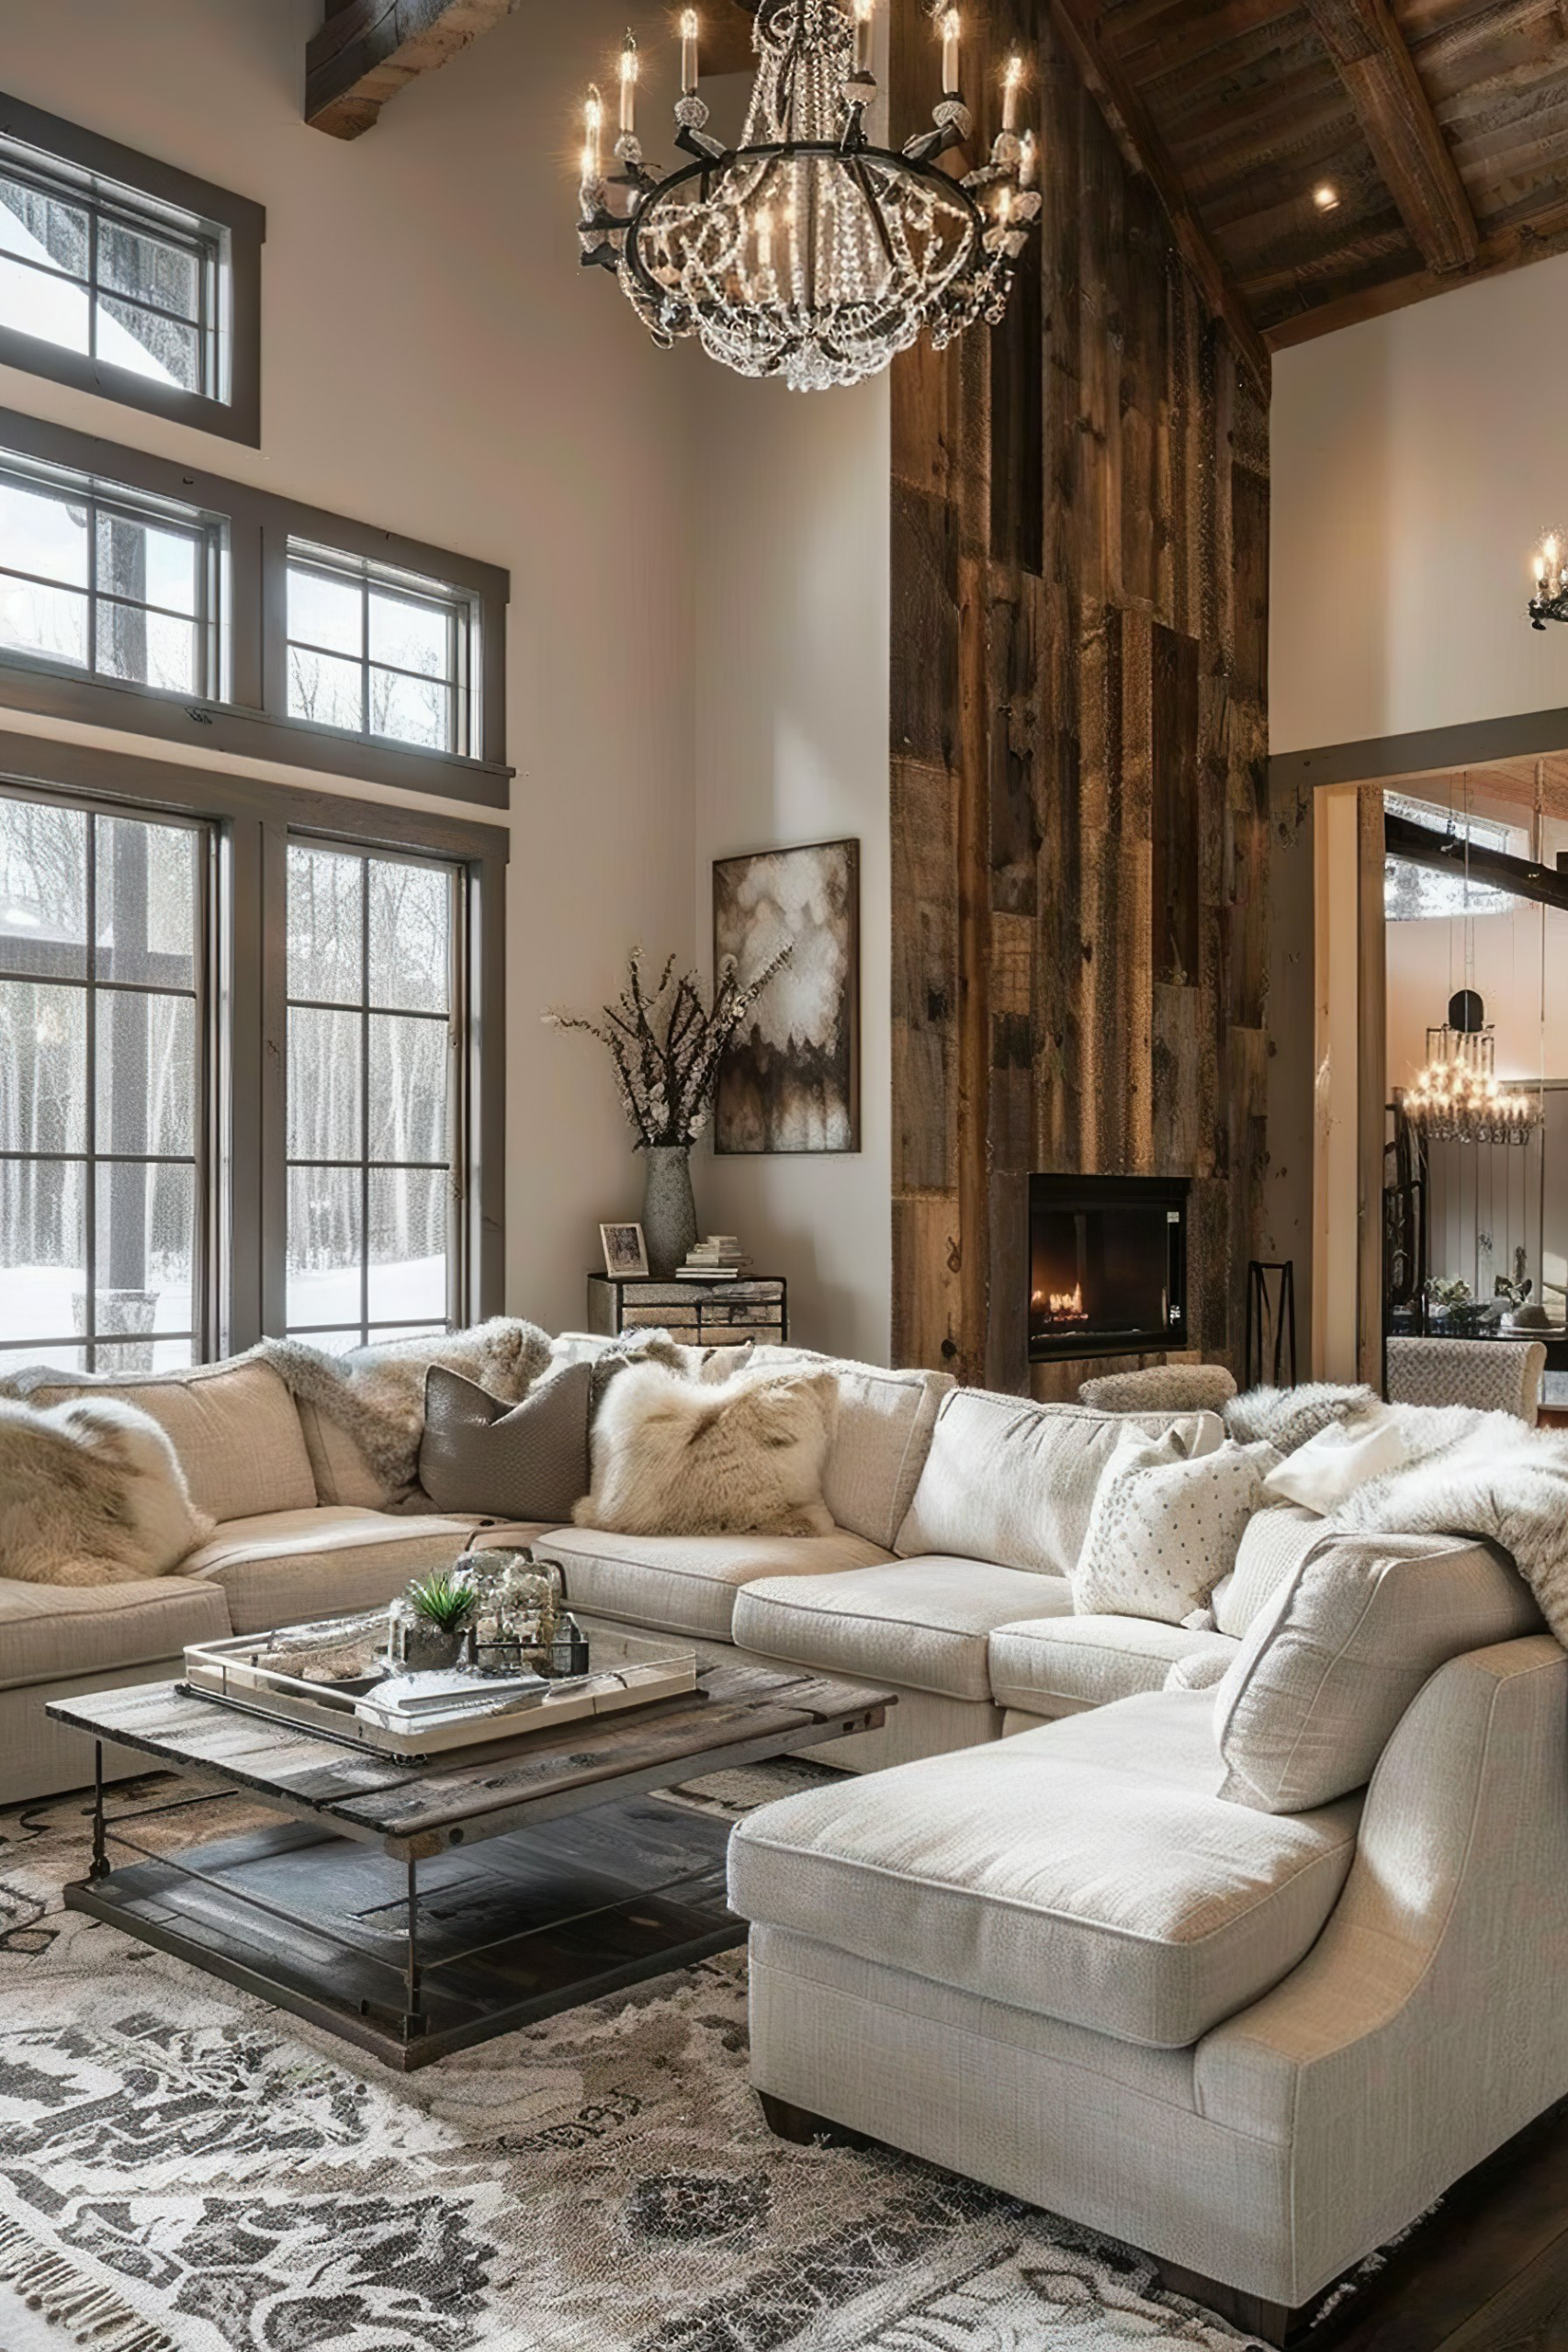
point(1426, 2025)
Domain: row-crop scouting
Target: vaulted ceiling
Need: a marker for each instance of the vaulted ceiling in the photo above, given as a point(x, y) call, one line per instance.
point(1323, 160)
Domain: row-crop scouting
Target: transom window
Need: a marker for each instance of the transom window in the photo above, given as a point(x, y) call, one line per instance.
point(105, 1088)
point(101, 578)
point(97, 269)
point(373, 955)
point(379, 652)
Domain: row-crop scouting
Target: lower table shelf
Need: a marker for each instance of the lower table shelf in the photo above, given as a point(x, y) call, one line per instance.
point(414, 1962)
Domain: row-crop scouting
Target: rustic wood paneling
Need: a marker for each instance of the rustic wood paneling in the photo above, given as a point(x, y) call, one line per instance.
point(1079, 736)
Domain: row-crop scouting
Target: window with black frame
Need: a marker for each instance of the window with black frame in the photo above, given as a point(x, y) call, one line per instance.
point(379, 651)
point(127, 276)
point(98, 578)
point(374, 1021)
point(106, 1087)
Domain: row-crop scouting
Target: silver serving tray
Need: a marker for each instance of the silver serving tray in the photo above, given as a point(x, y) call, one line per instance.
point(628, 1671)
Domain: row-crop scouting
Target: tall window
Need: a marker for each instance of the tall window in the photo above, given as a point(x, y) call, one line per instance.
point(379, 651)
point(373, 1110)
point(105, 1088)
point(101, 578)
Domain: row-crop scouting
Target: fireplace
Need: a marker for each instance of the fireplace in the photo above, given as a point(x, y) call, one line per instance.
point(1107, 1265)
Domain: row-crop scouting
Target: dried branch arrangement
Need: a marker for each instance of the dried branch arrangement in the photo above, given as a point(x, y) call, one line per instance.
point(666, 1045)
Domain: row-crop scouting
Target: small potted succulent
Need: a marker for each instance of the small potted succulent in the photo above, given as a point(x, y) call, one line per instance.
point(431, 1625)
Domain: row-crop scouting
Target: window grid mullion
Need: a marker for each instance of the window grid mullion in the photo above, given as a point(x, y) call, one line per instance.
point(364, 1077)
point(90, 1107)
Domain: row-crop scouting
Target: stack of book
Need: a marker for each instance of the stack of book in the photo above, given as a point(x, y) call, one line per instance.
point(719, 1259)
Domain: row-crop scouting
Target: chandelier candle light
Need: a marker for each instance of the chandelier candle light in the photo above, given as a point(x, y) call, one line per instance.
point(1459, 1098)
point(1550, 602)
point(807, 252)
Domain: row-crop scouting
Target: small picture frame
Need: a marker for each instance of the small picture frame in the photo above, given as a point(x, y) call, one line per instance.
point(625, 1252)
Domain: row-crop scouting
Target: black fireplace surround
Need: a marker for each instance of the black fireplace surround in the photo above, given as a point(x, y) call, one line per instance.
point(1107, 1265)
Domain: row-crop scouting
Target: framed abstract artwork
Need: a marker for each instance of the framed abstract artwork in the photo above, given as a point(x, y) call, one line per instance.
point(790, 1082)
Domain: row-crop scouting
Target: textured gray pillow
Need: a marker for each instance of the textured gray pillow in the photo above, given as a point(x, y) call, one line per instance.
point(1161, 1388)
point(526, 1461)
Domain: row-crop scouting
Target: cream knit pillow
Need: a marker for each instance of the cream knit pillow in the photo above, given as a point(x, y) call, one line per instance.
point(1165, 1526)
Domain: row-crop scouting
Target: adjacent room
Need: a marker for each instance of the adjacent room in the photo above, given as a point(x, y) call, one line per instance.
point(783, 1176)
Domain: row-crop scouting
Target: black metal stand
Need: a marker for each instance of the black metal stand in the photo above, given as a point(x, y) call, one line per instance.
point(1271, 1322)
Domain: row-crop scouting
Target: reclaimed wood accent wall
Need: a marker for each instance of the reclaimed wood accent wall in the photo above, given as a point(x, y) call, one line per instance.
point(1079, 580)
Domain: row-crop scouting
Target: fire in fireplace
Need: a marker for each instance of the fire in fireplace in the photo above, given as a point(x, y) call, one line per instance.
point(1107, 1265)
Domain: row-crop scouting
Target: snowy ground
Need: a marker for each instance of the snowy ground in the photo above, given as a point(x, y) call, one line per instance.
point(38, 1302)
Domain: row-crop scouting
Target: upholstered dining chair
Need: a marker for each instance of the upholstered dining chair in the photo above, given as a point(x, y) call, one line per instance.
point(1495, 1375)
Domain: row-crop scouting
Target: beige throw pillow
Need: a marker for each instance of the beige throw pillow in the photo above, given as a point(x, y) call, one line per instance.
point(1165, 1526)
point(1324, 1674)
point(736, 1457)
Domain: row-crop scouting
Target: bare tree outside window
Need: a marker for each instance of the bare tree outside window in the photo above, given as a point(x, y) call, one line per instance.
point(372, 943)
point(379, 652)
point(104, 1087)
point(93, 578)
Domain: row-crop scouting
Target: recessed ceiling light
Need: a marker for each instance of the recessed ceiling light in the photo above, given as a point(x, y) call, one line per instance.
point(1326, 196)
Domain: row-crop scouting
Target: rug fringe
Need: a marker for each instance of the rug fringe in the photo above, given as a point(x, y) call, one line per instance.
point(93, 2316)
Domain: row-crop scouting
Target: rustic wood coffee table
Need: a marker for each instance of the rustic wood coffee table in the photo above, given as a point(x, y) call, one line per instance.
point(416, 1908)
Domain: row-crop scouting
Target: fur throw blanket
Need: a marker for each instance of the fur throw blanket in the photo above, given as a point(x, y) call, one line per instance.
point(1286, 1418)
point(377, 1394)
point(91, 1492)
point(1467, 1472)
point(1479, 1474)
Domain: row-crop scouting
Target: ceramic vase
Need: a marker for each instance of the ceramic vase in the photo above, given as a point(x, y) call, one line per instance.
point(668, 1212)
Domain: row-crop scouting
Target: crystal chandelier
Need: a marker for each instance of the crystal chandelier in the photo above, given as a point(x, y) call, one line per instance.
point(1457, 1098)
point(806, 251)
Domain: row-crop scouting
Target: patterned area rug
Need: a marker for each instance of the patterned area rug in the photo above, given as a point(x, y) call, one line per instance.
point(184, 2169)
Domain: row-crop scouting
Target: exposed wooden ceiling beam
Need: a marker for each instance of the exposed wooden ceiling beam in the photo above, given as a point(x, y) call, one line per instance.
point(1371, 61)
point(1511, 248)
point(1084, 29)
point(368, 50)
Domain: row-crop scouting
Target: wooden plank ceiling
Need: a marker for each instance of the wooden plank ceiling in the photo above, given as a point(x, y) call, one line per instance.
point(1320, 160)
point(1343, 157)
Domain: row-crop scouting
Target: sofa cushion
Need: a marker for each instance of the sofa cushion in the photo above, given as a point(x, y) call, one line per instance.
point(1013, 1482)
point(1064, 1664)
point(340, 1466)
point(687, 1584)
point(50, 1632)
point(1322, 1676)
point(1089, 1871)
point(881, 1436)
point(286, 1567)
point(1274, 1542)
point(232, 1425)
point(1165, 1526)
point(924, 1623)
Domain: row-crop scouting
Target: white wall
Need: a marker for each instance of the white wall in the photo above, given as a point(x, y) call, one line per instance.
point(1417, 460)
point(436, 361)
point(792, 656)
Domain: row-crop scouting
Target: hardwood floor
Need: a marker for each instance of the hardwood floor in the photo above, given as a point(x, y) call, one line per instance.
point(1489, 2273)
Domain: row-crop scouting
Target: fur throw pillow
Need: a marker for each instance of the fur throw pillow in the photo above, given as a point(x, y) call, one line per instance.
point(733, 1457)
point(92, 1492)
point(377, 1394)
point(1286, 1418)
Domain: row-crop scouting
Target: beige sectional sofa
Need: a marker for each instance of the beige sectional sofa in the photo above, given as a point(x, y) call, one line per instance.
point(1244, 1975)
point(302, 1527)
